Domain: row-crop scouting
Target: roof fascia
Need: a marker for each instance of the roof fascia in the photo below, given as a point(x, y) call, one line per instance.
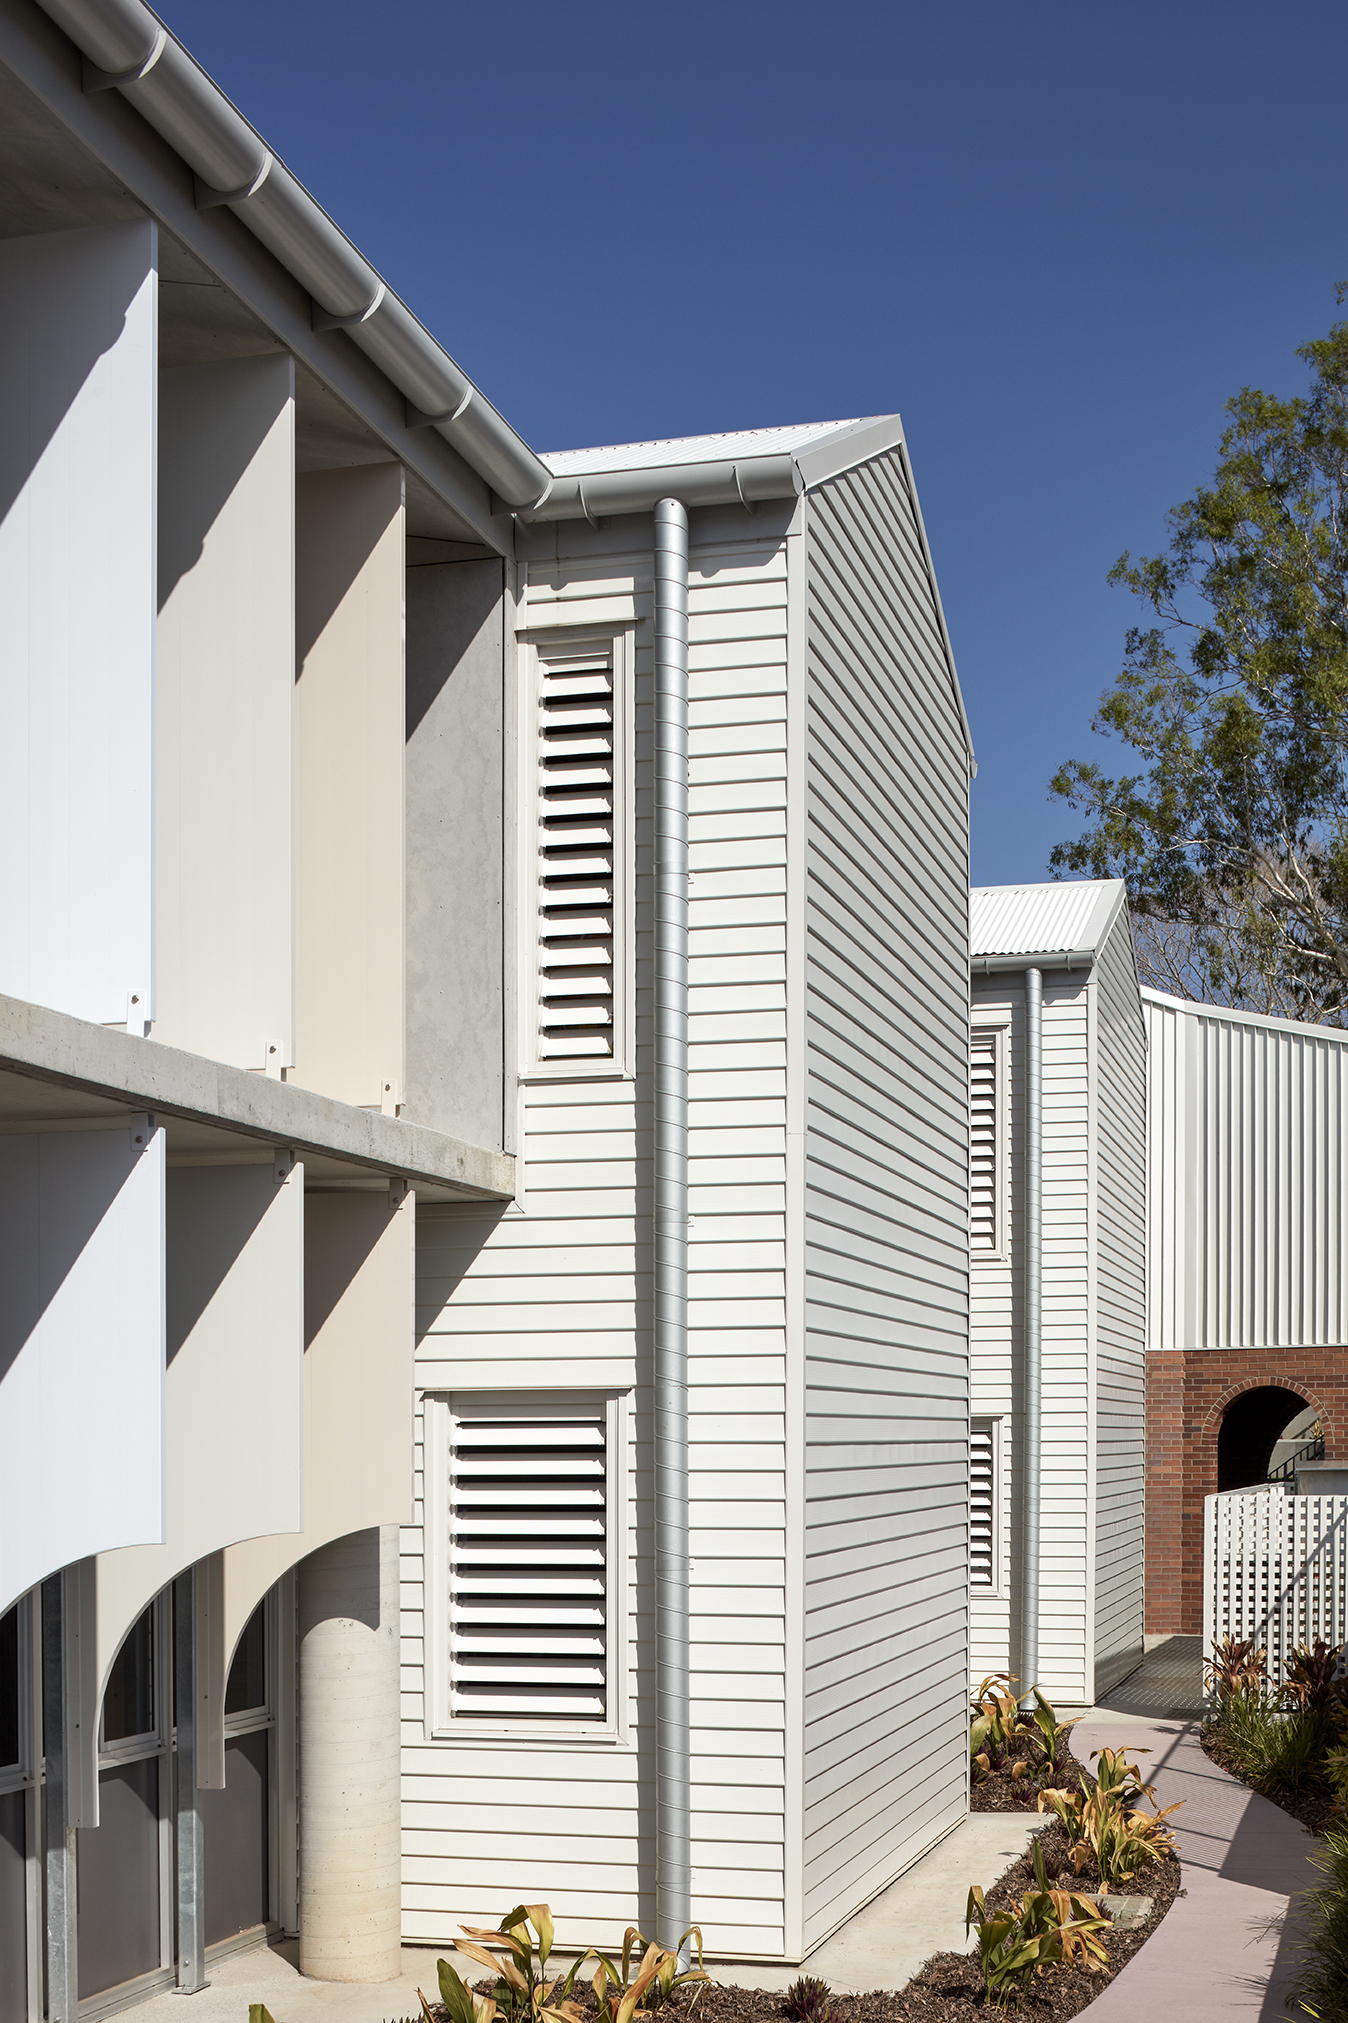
point(939, 608)
point(831, 455)
point(48, 63)
point(1265, 1021)
point(1049, 958)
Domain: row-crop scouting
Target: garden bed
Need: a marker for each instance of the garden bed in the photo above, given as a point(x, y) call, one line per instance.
point(1314, 1806)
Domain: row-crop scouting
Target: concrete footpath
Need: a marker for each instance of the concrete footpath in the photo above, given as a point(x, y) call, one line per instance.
point(1227, 1949)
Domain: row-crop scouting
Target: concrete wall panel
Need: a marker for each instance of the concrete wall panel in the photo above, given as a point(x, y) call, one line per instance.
point(81, 1348)
point(224, 711)
point(456, 865)
point(78, 344)
point(358, 1313)
point(235, 1380)
point(349, 783)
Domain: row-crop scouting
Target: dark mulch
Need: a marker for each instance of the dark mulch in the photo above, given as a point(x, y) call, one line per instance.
point(1314, 1807)
point(949, 1988)
point(1000, 1792)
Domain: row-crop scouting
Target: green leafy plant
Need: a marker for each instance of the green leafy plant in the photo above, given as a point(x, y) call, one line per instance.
point(1311, 1677)
point(623, 1994)
point(1321, 1986)
point(1107, 1825)
point(461, 2004)
point(523, 1993)
point(1275, 1750)
point(1053, 1733)
point(1237, 1669)
point(809, 2000)
point(1048, 1926)
point(995, 1717)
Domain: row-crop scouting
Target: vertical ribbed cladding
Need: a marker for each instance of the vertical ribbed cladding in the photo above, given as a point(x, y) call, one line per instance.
point(1034, 1268)
point(673, 1858)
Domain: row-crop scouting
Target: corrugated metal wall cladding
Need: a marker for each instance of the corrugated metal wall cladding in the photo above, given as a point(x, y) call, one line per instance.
point(1248, 1190)
point(886, 1222)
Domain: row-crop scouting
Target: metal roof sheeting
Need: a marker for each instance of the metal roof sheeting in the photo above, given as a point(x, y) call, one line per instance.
point(733, 447)
point(1058, 918)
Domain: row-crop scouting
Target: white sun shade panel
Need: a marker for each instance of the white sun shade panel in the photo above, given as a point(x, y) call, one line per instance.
point(983, 1231)
point(528, 1523)
point(577, 857)
point(982, 1506)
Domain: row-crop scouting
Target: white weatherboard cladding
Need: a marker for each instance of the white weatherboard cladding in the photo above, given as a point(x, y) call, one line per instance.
point(556, 1299)
point(78, 367)
point(81, 1347)
point(1249, 1120)
point(886, 1204)
point(1120, 1113)
point(1094, 1300)
point(224, 711)
point(997, 1336)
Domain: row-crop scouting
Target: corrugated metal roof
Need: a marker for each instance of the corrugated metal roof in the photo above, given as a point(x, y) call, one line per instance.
point(1042, 919)
point(748, 442)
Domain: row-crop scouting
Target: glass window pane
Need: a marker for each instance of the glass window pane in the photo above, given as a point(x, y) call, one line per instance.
point(247, 1685)
point(128, 1704)
point(9, 1688)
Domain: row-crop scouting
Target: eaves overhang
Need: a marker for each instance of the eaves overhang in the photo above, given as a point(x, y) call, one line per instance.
point(109, 1066)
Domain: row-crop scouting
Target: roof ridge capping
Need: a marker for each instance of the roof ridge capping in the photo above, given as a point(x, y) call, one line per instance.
point(1062, 923)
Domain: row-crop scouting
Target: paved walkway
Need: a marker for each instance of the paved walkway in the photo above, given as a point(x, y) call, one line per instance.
point(1168, 1686)
point(1227, 1950)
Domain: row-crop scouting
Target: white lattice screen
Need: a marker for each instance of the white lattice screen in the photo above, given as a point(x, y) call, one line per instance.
point(1275, 1567)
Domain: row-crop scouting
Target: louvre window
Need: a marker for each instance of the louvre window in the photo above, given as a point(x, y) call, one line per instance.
point(528, 1562)
point(984, 1217)
point(578, 856)
point(982, 1503)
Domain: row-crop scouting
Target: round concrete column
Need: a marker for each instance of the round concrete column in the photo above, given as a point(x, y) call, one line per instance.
point(350, 1901)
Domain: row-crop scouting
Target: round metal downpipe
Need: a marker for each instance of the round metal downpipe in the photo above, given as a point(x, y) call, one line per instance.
point(673, 1844)
point(1033, 1293)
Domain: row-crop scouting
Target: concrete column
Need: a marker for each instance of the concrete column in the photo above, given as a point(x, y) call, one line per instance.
point(350, 1899)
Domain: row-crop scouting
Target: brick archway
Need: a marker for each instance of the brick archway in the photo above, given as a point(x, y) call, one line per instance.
point(1188, 1394)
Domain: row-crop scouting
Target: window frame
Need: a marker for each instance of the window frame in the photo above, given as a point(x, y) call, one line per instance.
point(535, 647)
point(998, 1030)
point(440, 1724)
point(994, 1589)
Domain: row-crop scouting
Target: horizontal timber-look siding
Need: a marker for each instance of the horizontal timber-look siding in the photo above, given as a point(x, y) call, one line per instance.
point(1121, 1307)
point(556, 1293)
point(886, 1205)
point(996, 1339)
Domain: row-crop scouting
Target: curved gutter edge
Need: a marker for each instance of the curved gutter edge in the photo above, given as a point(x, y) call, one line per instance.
point(747, 483)
point(128, 49)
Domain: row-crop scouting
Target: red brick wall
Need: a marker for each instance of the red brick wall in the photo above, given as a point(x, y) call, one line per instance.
point(1188, 1391)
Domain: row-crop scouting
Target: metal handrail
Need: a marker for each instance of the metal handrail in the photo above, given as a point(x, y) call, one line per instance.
point(1314, 1450)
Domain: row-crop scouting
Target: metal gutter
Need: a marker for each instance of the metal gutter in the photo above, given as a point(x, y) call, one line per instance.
point(1049, 958)
point(127, 48)
point(673, 1787)
point(745, 482)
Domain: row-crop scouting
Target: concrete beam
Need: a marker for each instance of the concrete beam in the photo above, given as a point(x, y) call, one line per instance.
point(51, 1047)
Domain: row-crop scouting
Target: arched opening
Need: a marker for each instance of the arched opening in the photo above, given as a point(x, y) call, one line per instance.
point(1250, 1429)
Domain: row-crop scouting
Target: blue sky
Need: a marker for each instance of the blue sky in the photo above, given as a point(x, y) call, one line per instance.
point(1056, 238)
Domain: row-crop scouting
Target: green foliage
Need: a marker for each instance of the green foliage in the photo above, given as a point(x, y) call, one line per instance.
point(461, 2003)
point(1236, 1669)
point(1277, 1751)
point(523, 1993)
point(623, 1994)
point(1312, 1677)
point(1321, 1987)
point(1107, 1825)
point(1004, 1737)
point(1047, 1926)
point(1233, 835)
point(809, 2000)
